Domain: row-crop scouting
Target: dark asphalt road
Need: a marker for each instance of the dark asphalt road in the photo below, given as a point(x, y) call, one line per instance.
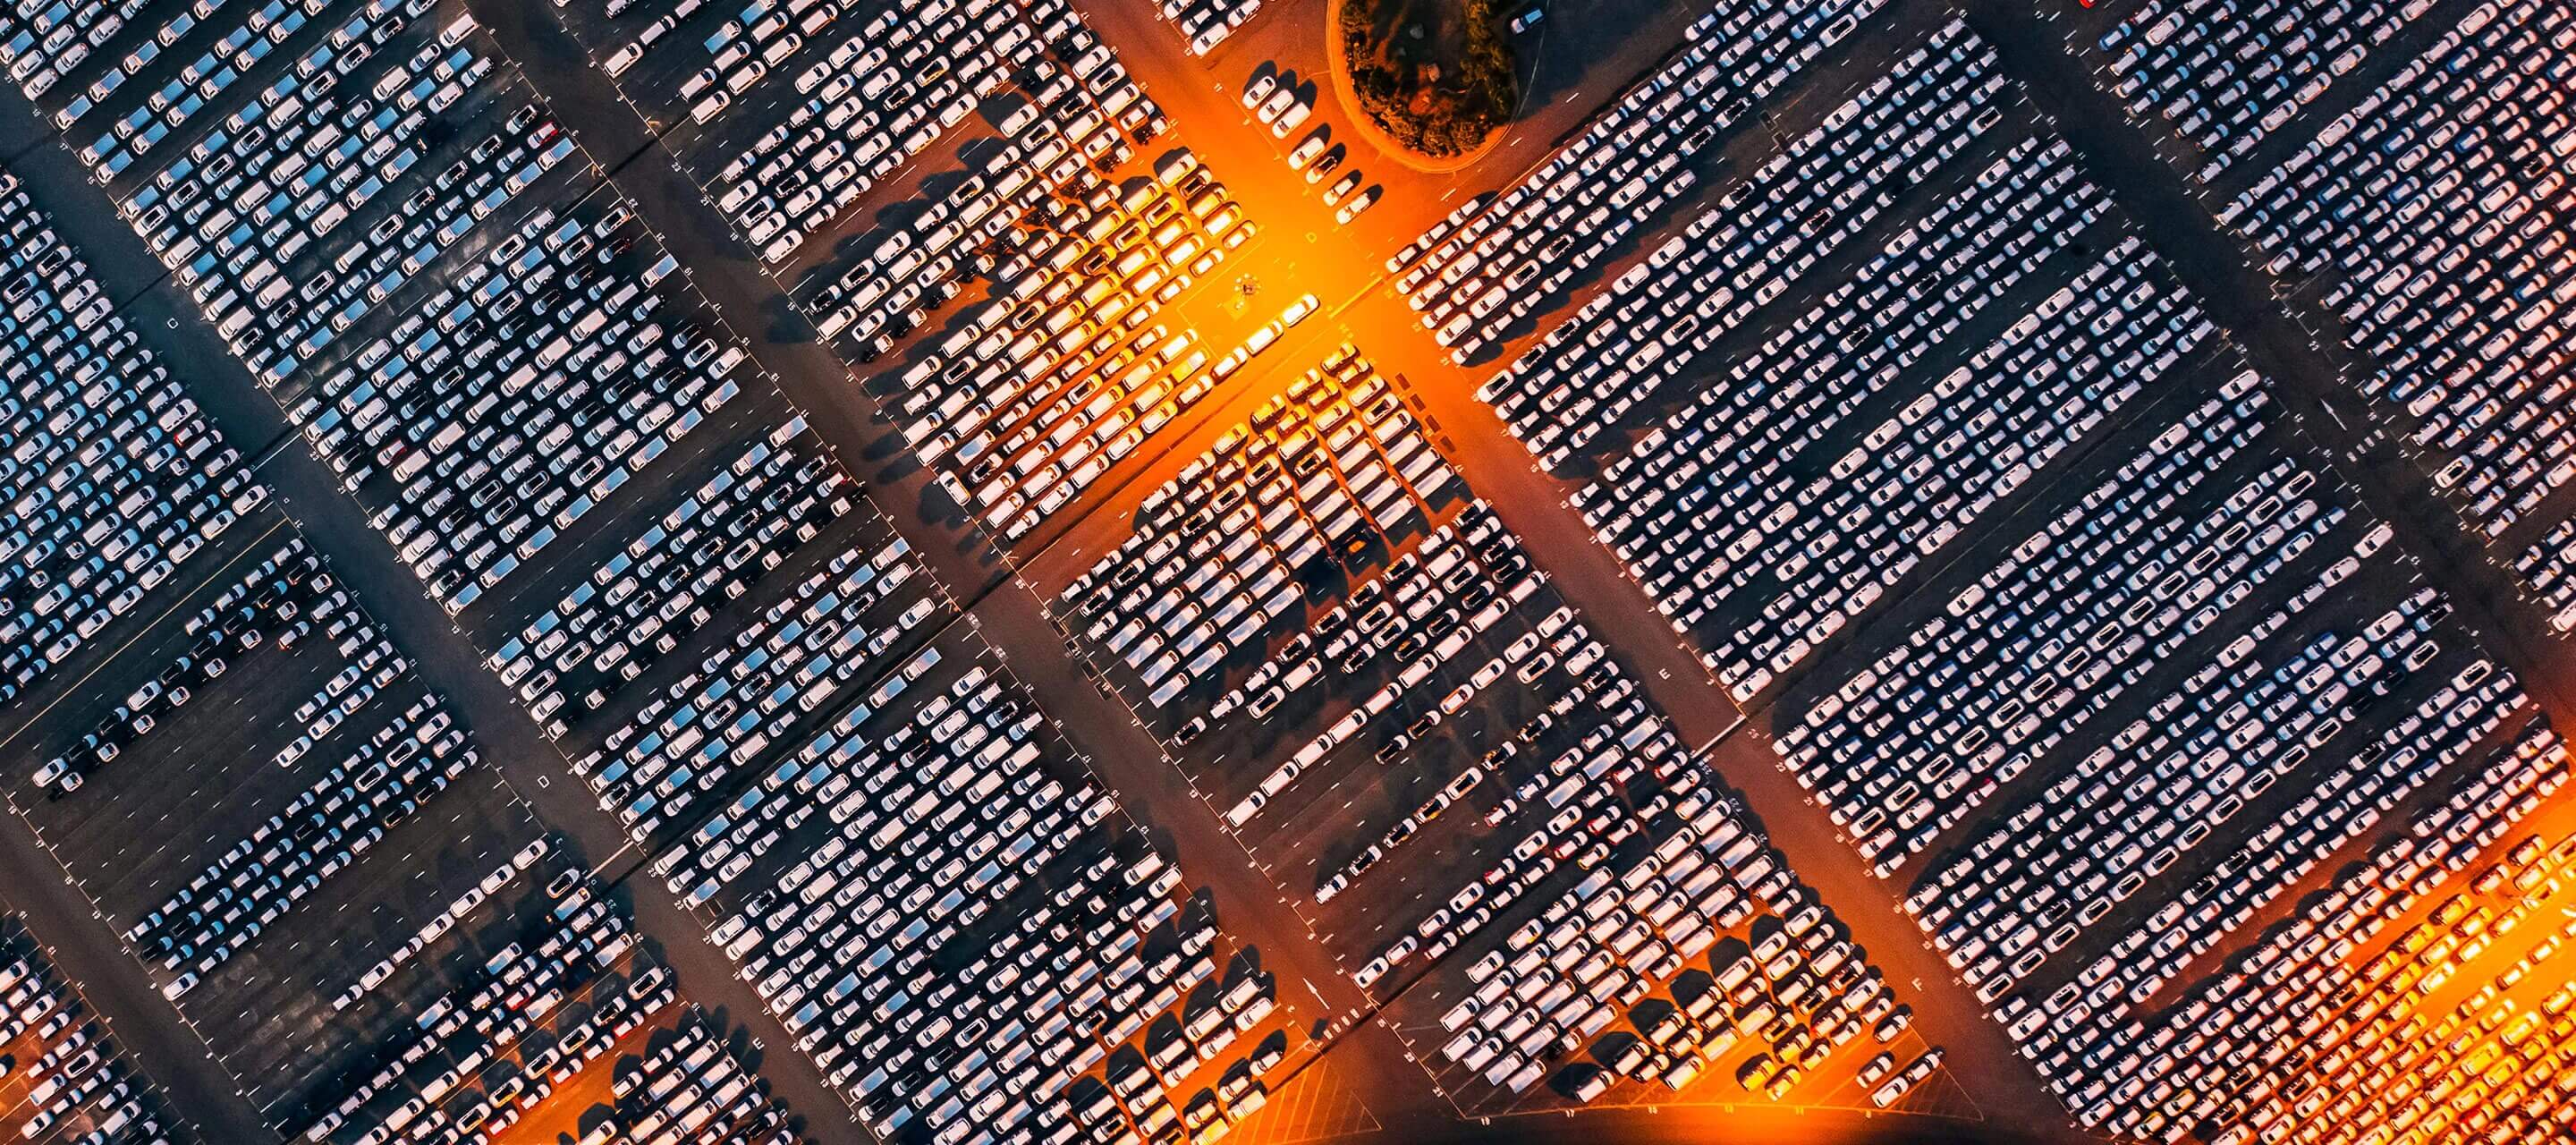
point(2119, 154)
point(333, 524)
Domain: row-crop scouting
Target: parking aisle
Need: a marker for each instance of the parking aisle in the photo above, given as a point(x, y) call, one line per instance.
point(86, 956)
point(309, 492)
point(1591, 578)
point(2259, 315)
point(1255, 910)
point(781, 341)
point(69, 1080)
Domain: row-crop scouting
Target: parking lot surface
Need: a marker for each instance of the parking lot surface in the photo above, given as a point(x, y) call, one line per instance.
point(1442, 758)
point(774, 789)
point(68, 1080)
point(981, 570)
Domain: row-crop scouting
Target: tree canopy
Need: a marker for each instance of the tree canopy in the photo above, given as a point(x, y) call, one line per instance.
point(1438, 95)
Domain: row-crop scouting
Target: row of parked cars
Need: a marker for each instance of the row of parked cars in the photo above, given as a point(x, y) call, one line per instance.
point(1316, 156)
point(2548, 568)
point(2516, 1090)
point(807, 105)
point(2429, 208)
point(1694, 498)
point(266, 601)
point(291, 602)
point(1315, 159)
point(2326, 1026)
point(1419, 604)
point(1261, 338)
point(342, 177)
point(2452, 1084)
point(918, 262)
point(792, 182)
point(325, 829)
point(48, 43)
point(954, 921)
point(1497, 258)
point(690, 1087)
point(1208, 22)
point(54, 45)
point(1221, 554)
point(1669, 937)
point(110, 477)
point(1887, 490)
point(1063, 369)
point(2229, 73)
point(521, 394)
point(1560, 787)
point(1430, 610)
point(68, 1080)
point(708, 549)
point(125, 139)
point(2419, 746)
point(421, 947)
point(44, 52)
point(554, 982)
point(1743, 250)
point(1279, 100)
point(2191, 771)
point(1219, 1011)
point(1926, 723)
point(1540, 763)
point(1765, 1008)
point(842, 627)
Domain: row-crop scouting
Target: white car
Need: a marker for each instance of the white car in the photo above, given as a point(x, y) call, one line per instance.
point(1342, 187)
point(1363, 201)
point(1363, 978)
point(1307, 151)
point(1261, 339)
point(1295, 114)
point(1274, 111)
point(1242, 813)
point(1876, 1068)
point(1260, 89)
point(1325, 166)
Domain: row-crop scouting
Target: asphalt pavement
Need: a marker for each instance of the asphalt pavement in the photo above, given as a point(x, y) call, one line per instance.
point(308, 491)
point(1580, 64)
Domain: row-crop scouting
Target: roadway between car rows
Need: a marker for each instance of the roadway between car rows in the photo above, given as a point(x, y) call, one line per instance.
point(2265, 317)
point(1009, 614)
point(78, 940)
point(83, 949)
point(1249, 908)
point(1494, 466)
point(306, 490)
